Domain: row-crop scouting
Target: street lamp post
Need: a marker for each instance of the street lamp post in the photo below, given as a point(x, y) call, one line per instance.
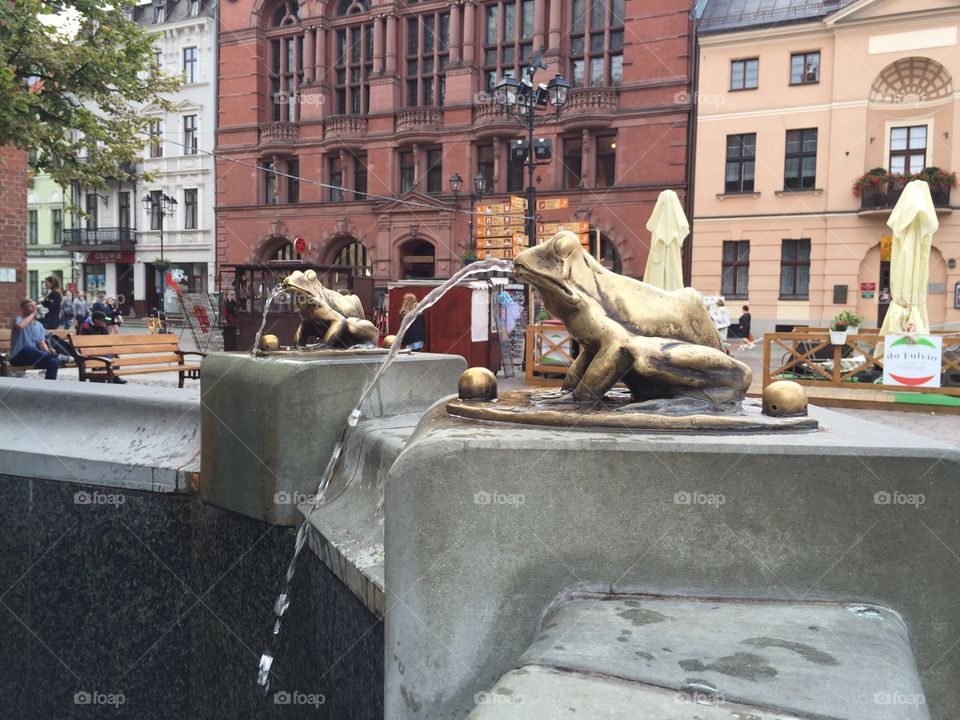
point(521, 100)
point(480, 188)
point(160, 205)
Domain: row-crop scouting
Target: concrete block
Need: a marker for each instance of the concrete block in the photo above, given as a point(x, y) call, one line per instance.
point(842, 661)
point(123, 436)
point(486, 525)
point(270, 423)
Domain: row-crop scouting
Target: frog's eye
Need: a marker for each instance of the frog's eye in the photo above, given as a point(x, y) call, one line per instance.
point(565, 244)
point(310, 275)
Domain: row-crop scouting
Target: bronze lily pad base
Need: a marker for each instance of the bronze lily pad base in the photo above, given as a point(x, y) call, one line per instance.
point(617, 412)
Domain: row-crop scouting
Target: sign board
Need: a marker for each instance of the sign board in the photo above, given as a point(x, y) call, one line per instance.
point(39, 252)
point(8, 275)
point(866, 294)
point(936, 288)
point(886, 247)
point(912, 362)
point(518, 203)
point(100, 257)
point(868, 286)
point(553, 204)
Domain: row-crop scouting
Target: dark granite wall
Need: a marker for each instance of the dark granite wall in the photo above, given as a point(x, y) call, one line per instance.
point(165, 603)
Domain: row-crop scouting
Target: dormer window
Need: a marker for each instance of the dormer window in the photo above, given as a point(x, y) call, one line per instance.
point(159, 11)
point(194, 8)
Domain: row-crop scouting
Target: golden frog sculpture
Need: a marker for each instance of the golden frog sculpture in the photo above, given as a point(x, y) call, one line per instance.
point(332, 318)
point(660, 344)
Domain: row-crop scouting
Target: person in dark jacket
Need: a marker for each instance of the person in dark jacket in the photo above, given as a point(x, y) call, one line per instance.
point(96, 324)
point(416, 334)
point(52, 302)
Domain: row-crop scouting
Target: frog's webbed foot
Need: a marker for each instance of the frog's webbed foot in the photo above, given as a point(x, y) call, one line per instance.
point(563, 397)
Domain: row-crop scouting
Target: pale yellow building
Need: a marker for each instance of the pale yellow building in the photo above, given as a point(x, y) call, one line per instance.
point(795, 102)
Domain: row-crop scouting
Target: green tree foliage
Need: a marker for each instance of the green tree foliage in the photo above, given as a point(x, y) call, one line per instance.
point(72, 72)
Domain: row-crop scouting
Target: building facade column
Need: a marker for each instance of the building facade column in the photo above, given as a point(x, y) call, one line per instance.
point(587, 164)
point(378, 45)
point(455, 41)
point(418, 166)
point(321, 55)
point(469, 31)
point(310, 55)
point(538, 23)
point(555, 14)
point(391, 43)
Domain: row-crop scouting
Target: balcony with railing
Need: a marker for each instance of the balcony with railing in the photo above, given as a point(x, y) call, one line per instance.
point(342, 127)
point(882, 200)
point(415, 119)
point(108, 238)
point(279, 134)
point(590, 107)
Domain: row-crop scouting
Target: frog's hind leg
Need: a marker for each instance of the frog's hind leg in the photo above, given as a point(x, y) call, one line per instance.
point(606, 369)
point(362, 331)
point(576, 371)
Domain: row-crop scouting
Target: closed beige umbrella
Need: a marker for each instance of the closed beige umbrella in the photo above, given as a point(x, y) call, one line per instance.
point(668, 227)
point(913, 222)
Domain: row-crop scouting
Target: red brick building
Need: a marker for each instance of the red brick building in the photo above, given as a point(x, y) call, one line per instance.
point(375, 105)
point(13, 231)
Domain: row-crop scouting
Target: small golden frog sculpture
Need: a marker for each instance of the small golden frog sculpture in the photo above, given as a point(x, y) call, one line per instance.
point(660, 344)
point(332, 318)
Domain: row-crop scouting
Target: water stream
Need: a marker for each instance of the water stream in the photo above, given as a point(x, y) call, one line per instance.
point(282, 603)
point(274, 294)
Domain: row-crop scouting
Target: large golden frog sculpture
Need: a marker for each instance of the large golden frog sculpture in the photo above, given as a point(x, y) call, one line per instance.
point(660, 344)
point(330, 317)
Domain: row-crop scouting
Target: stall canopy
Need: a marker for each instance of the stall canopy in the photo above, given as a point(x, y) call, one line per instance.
point(668, 227)
point(913, 222)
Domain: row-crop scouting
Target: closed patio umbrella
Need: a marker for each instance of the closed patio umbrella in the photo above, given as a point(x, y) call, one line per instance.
point(668, 227)
point(913, 222)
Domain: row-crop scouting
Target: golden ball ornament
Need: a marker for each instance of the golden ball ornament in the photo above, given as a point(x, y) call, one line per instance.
point(477, 383)
point(784, 398)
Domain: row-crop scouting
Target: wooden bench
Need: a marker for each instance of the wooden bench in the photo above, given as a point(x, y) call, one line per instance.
point(106, 357)
point(6, 341)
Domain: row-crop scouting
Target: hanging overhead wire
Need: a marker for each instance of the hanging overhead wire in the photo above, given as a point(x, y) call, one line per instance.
point(413, 204)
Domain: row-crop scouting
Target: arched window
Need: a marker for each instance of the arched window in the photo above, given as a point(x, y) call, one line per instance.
point(284, 252)
point(594, 60)
point(285, 38)
point(355, 255)
point(351, 7)
point(417, 259)
point(608, 255)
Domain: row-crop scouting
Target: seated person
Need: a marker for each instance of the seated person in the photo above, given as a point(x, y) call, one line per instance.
point(99, 324)
point(28, 346)
point(96, 324)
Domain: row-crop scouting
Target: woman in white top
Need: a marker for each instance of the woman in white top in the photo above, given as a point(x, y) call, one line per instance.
point(721, 318)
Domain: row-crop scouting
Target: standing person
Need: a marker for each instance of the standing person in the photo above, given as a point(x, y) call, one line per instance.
point(99, 303)
point(66, 311)
point(721, 318)
point(416, 334)
point(52, 302)
point(114, 316)
point(28, 345)
point(80, 309)
point(744, 323)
